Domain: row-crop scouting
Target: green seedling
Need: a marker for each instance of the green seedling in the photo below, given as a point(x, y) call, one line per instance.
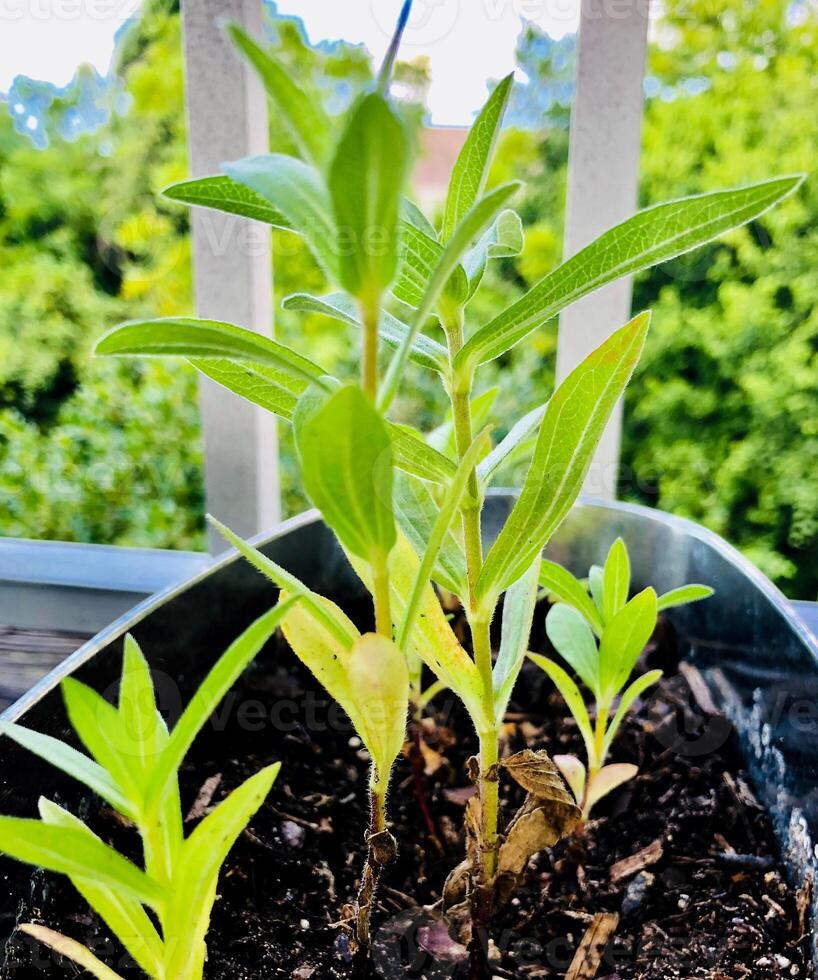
point(406, 505)
point(159, 912)
point(601, 636)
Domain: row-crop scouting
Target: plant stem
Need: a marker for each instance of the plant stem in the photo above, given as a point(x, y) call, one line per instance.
point(370, 316)
point(372, 867)
point(481, 638)
point(380, 590)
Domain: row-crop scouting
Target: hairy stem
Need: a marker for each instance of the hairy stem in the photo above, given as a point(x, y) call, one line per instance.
point(372, 868)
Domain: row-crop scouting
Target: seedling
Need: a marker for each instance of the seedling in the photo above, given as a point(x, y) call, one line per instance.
point(407, 509)
point(622, 627)
point(133, 765)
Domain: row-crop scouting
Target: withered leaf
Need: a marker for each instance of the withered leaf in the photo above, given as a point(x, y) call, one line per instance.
point(537, 774)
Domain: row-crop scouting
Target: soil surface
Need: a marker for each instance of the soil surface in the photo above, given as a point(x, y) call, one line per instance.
point(703, 896)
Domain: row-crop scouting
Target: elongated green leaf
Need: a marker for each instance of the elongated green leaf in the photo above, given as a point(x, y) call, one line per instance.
point(221, 678)
point(419, 253)
point(572, 697)
point(617, 580)
point(366, 179)
point(648, 238)
point(124, 916)
point(222, 193)
point(570, 431)
point(346, 464)
point(415, 456)
point(682, 596)
point(474, 223)
point(416, 511)
point(574, 641)
point(73, 764)
point(137, 706)
point(205, 851)
point(517, 437)
point(636, 690)
point(503, 240)
point(412, 214)
point(255, 382)
point(472, 167)
point(559, 582)
point(194, 338)
point(71, 950)
point(624, 639)
point(425, 351)
point(449, 507)
point(299, 192)
point(379, 681)
point(518, 615)
point(307, 124)
point(75, 853)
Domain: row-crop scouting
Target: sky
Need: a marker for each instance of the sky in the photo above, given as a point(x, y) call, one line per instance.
point(466, 41)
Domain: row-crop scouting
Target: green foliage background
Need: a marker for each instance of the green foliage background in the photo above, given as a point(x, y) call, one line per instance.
point(720, 422)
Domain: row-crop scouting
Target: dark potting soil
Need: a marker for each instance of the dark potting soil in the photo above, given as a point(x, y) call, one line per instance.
point(703, 894)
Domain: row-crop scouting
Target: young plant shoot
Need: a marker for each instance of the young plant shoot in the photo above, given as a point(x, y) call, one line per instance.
point(133, 766)
point(405, 505)
point(575, 624)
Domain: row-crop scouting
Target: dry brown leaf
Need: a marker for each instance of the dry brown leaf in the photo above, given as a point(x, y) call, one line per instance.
point(537, 774)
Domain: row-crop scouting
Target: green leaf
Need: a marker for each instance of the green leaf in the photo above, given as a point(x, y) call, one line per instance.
point(137, 706)
point(425, 351)
point(518, 615)
point(75, 853)
point(195, 338)
point(648, 238)
point(413, 455)
point(476, 220)
point(574, 642)
point(299, 192)
point(379, 682)
point(570, 431)
point(213, 689)
point(504, 239)
point(617, 580)
point(682, 596)
point(572, 697)
point(124, 916)
point(419, 253)
point(636, 690)
point(468, 178)
point(416, 511)
point(221, 193)
point(203, 855)
point(73, 764)
point(624, 639)
point(306, 122)
point(412, 215)
point(449, 507)
point(71, 950)
point(257, 383)
point(559, 582)
point(346, 465)
point(517, 437)
point(366, 179)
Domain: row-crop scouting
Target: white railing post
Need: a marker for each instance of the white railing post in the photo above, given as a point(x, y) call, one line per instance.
point(227, 119)
point(603, 171)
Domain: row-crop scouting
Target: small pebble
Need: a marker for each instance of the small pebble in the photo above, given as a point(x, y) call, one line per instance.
point(354, 742)
point(293, 833)
point(304, 923)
